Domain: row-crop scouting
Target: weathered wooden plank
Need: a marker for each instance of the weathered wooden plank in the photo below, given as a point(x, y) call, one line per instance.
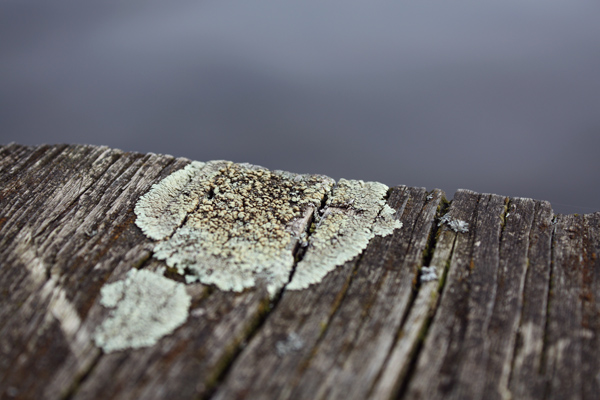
point(64, 237)
point(187, 363)
point(413, 330)
point(502, 331)
point(573, 327)
point(10, 157)
point(590, 369)
point(86, 237)
point(505, 309)
point(453, 355)
point(345, 326)
point(527, 379)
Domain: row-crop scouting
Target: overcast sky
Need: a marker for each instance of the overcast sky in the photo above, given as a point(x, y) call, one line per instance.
point(493, 96)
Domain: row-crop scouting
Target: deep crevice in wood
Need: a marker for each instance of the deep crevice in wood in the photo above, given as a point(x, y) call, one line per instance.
point(50, 246)
point(472, 235)
point(300, 250)
point(503, 217)
point(383, 277)
point(298, 254)
point(80, 380)
point(224, 365)
point(334, 310)
point(143, 262)
point(414, 357)
point(426, 259)
point(435, 232)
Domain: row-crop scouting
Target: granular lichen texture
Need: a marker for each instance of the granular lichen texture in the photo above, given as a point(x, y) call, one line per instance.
point(232, 225)
point(147, 306)
point(457, 225)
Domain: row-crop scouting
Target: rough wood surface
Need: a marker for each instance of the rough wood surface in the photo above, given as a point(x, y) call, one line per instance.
point(508, 310)
point(347, 325)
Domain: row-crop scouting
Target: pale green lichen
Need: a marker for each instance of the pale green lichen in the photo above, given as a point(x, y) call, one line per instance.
point(148, 307)
point(163, 209)
point(386, 222)
point(428, 274)
point(354, 214)
point(237, 223)
point(232, 225)
point(457, 225)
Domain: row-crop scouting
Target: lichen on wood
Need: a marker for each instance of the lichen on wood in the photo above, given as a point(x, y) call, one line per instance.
point(231, 224)
point(512, 313)
point(147, 306)
point(354, 214)
point(457, 225)
point(163, 209)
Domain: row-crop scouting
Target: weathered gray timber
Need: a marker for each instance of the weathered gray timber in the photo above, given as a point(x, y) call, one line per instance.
point(483, 297)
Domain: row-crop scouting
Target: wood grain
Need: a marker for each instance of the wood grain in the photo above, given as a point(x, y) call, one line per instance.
point(511, 311)
point(347, 324)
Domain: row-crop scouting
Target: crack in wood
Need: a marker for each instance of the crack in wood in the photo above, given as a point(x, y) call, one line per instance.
point(371, 329)
point(55, 180)
point(80, 380)
point(299, 252)
point(413, 357)
point(397, 388)
point(332, 314)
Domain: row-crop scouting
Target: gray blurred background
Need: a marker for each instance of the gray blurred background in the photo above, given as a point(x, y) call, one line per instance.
point(493, 96)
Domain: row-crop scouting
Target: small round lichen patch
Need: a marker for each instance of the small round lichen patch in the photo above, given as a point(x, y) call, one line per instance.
point(147, 306)
point(230, 224)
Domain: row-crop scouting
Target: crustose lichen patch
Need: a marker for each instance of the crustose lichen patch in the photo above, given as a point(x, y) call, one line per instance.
point(457, 225)
point(239, 222)
point(355, 213)
point(231, 225)
point(147, 306)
